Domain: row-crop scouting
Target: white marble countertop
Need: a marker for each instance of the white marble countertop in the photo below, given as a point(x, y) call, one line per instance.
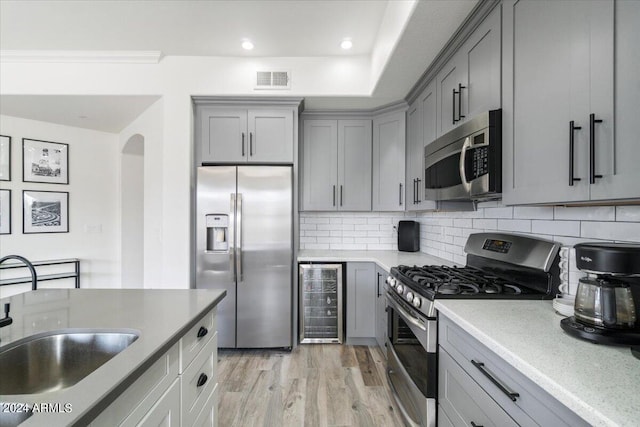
point(160, 316)
point(599, 383)
point(385, 259)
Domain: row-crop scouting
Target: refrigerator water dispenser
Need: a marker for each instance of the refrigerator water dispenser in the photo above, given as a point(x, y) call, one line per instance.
point(217, 232)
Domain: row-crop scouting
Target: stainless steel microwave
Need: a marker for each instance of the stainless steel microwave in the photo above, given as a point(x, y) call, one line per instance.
point(466, 163)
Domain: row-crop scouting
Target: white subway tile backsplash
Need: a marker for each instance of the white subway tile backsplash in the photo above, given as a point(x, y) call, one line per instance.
point(533, 212)
point(354, 220)
point(462, 222)
point(380, 220)
point(305, 226)
point(498, 212)
point(316, 220)
point(620, 231)
point(560, 228)
point(628, 213)
point(517, 225)
point(585, 213)
point(315, 233)
point(485, 224)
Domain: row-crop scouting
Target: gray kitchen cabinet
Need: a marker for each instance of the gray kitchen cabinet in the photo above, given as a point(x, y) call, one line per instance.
point(389, 132)
point(336, 166)
point(475, 384)
point(361, 300)
point(421, 130)
point(469, 83)
point(246, 135)
point(381, 309)
point(563, 142)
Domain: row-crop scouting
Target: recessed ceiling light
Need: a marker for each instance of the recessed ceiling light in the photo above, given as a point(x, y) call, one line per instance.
point(346, 44)
point(247, 45)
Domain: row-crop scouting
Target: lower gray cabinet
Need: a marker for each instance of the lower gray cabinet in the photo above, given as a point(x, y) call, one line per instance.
point(361, 300)
point(381, 309)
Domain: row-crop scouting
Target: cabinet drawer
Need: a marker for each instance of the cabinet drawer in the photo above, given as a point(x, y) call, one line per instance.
point(209, 415)
point(191, 344)
point(193, 396)
point(166, 411)
point(464, 401)
point(137, 400)
point(532, 405)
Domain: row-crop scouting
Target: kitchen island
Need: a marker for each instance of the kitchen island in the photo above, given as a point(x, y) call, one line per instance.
point(161, 318)
point(601, 384)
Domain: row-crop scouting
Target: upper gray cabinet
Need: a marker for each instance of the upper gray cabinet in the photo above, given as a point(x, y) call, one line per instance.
point(247, 135)
point(336, 166)
point(389, 132)
point(421, 130)
point(563, 139)
point(469, 83)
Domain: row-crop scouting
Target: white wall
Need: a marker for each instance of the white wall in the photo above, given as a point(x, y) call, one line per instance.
point(93, 203)
point(132, 213)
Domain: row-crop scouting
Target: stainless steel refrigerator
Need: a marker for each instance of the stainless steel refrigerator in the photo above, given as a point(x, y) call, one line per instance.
point(244, 244)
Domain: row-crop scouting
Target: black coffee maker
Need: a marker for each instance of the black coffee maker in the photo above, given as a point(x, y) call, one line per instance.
point(607, 305)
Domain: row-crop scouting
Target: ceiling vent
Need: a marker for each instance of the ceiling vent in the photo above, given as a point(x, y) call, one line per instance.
point(273, 80)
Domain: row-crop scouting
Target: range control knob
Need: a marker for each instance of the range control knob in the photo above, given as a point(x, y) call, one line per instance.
point(391, 281)
point(417, 302)
point(399, 289)
point(409, 296)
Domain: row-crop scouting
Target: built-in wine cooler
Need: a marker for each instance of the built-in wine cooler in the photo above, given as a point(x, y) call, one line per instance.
point(321, 303)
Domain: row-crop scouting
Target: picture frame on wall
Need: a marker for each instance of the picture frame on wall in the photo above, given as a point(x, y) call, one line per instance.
point(45, 161)
point(5, 158)
point(45, 212)
point(5, 211)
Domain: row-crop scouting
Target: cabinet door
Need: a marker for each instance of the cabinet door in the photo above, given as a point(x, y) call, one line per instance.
point(354, 165)
point(224, 135)
point(482, 64)
point(166, 411)
point(270, 136)
point(414, 159)
point(381, 310)
point(361, 300)
point(550, 89)
point(450, 81)
point(320, 165)
point(428, 132)
point(388, 162)
point(617, 160)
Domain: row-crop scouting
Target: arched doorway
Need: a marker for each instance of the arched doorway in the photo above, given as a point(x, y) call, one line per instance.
point(132, 215)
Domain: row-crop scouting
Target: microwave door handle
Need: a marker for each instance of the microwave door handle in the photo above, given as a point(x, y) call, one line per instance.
point(463, 156)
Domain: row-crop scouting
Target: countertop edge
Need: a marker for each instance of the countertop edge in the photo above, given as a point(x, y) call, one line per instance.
point(375, 256)
point(557, 391)
point(110, 396)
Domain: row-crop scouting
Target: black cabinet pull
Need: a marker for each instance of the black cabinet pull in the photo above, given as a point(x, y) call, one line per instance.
point(418, 191)
point(202, 332)
point(453, 106)
point(251, 143)
point(460, 87)
point(340, 195)
point(400, 194)
point(242, 144)
point(201, 380)
point(334, 195)
point(379, 275)
point(512, 395)
point(475, 425)
point(592, 148)
point(414, 191)
point(572, 128)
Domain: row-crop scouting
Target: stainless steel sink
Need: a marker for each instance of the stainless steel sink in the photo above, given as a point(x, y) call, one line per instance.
point(55, 360)
point(12, 419)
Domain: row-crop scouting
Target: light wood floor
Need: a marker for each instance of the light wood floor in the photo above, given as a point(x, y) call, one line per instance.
point(314, 385)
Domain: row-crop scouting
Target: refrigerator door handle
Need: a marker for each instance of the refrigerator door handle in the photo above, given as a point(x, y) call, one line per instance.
point(232, 246)
point(239, 236)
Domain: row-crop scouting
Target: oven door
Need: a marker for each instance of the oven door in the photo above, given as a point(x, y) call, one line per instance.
point(411, 368)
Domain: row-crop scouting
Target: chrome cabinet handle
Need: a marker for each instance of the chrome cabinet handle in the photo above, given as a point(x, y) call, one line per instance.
point(592, 148)
point(572, 129)
point(511, 394)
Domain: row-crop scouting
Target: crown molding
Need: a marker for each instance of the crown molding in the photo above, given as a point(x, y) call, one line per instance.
point(81, 56)
point(365, 113)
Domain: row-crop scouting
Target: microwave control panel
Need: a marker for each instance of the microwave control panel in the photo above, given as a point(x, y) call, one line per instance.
point(479, 162)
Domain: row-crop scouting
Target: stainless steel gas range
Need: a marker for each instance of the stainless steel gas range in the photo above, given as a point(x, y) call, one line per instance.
point(499, 266)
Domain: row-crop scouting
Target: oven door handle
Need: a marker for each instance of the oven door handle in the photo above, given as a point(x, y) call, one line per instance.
point(406, 315)
point(463, 171)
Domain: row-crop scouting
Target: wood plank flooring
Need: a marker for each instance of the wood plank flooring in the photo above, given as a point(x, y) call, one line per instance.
point(313, 385)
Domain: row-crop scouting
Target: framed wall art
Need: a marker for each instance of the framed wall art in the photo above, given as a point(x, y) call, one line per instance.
point(44, 161)
point(5, 158)
point(5, 211)
point(45, 212)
